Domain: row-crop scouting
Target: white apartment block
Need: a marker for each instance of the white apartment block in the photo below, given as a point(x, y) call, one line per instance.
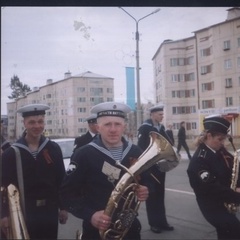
point(200, 75)
point(70, 101)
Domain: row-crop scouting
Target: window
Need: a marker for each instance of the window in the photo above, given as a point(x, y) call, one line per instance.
point(80, 89)
point(226, 45)
point(109, 90)
point(238, 42)
point(181, 61)
point(81, 120)
point(183, 77)
point(177, 77)
point(183, 93)
point(96, 91)
point(208, 104)
point(82, 130)
point(183, 110)
point(81, 110)
point(207, 86)
point(238, 62)
point(228, 82)
point(48, 95)
point(96, 100)
point(206, 69)
point(229, 101)
point(190, 61)
point(189, 77)
point(81, 99)
point(206, 52)
point(173, 62)
point(227, 64)
point(194, 125)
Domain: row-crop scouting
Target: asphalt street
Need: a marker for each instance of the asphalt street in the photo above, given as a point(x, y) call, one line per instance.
point(181, 208)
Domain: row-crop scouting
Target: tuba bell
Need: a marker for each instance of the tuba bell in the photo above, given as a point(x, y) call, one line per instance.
point(123, 204)
point(17, 229)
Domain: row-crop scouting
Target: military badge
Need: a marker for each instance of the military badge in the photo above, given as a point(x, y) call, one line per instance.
point(71, 168)
point(204, 175)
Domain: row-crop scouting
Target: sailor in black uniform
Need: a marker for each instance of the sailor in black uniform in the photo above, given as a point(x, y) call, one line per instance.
point(42, 174)
point(154, 178)
point(89, 135)
point(93, 172)
point(210, 174)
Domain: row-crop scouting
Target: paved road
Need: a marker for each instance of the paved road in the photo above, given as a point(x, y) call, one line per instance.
point(181, 208)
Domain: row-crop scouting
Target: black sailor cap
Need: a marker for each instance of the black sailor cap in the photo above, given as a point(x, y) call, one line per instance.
point(216, 123)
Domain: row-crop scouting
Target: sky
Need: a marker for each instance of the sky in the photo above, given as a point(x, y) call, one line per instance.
point(40, 43)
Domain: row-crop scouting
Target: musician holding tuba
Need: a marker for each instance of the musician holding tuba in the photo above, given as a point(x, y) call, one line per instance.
point(94, 172)
point(32, 172)
point(211, 176)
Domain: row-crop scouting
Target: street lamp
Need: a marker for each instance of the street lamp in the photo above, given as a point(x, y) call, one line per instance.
point(137, 63)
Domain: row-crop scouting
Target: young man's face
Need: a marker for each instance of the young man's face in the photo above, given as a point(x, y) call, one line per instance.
point(111, 130)
point(157, 116)
point(34, 125)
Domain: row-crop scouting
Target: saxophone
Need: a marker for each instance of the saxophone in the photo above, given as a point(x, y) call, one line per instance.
point(123, 204)
point(233, 207)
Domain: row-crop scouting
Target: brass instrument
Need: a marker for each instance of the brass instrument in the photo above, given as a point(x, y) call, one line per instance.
point(123, 204)
point(233, 207)
point(18, 229)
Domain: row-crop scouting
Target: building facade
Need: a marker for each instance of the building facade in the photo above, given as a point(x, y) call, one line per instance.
point(200, 75)
point(70, 101)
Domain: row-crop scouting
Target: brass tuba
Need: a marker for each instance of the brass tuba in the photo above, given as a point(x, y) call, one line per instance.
point(18, 229)
point(123, 204)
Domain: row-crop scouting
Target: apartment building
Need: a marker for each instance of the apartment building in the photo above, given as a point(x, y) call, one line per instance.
point(70, 101)
point(200, 75)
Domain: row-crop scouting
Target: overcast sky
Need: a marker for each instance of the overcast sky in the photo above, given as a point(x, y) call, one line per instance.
point(39, 43)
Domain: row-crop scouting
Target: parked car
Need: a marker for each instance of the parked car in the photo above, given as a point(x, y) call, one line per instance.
point(66, 145)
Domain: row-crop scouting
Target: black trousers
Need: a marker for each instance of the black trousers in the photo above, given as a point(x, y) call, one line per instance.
point(91, 233)
point(155, 206)
point(185, 146)
point(42, 221)
point(227, 224)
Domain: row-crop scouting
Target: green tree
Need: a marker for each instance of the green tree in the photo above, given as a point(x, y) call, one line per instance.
point(19, 89)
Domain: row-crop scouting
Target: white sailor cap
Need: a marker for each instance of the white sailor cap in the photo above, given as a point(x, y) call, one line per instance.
point(216, 123)
point(92, 118)
point(33, 110)
point(156, 108)
point(115, 109)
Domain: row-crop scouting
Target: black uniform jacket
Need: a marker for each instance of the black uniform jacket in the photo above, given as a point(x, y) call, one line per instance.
point(92, 175)
point(42, 176)
point(83, 140)
point(210, 177)
point(182, 134)
point(144, 131)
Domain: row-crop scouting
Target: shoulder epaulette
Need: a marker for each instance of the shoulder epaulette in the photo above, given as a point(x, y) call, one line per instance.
point(202, 153)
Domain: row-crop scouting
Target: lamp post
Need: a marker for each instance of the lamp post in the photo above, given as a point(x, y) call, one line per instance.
point(137, 62)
